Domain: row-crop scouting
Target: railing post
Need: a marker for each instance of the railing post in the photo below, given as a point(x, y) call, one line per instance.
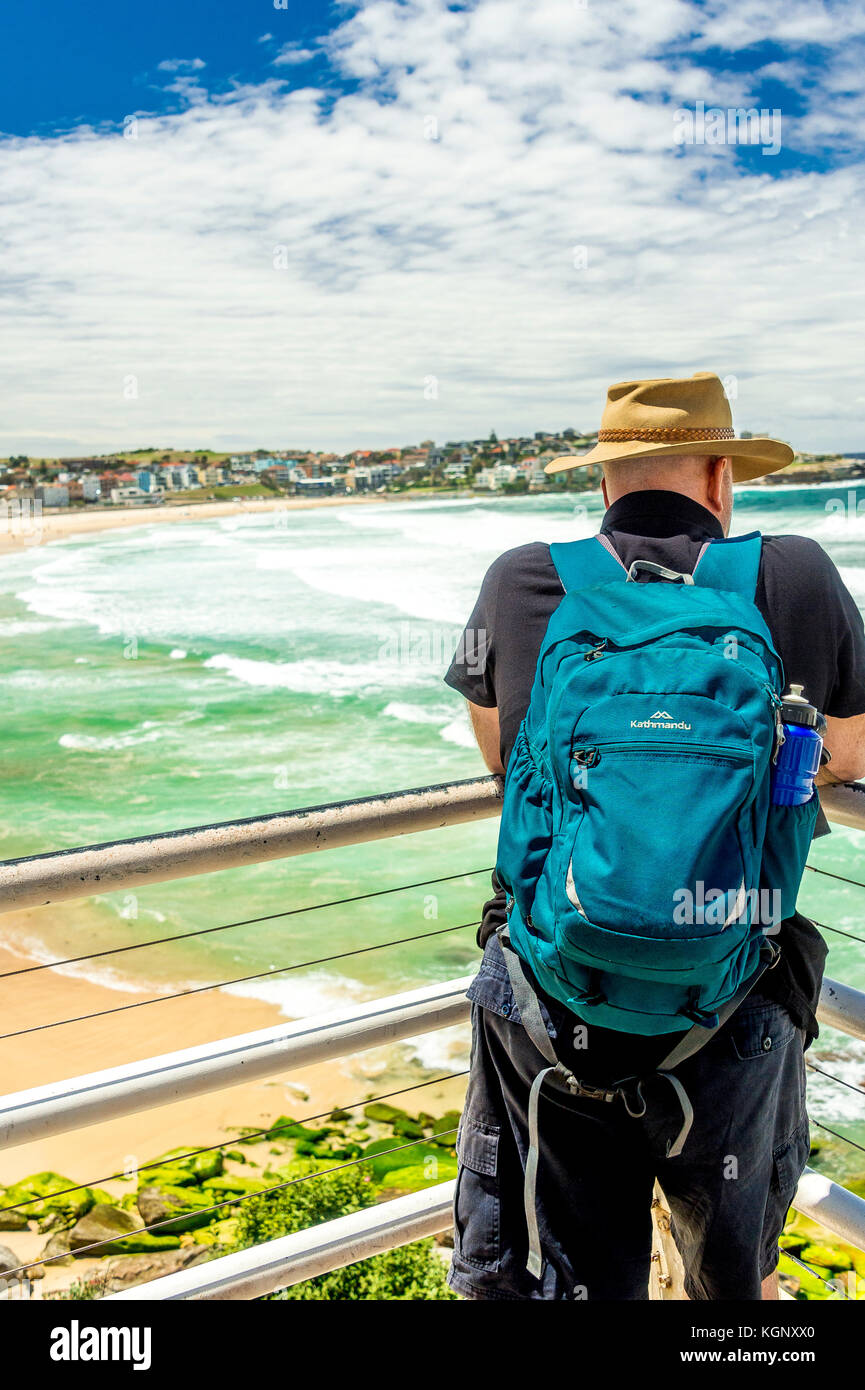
point(667, 1274)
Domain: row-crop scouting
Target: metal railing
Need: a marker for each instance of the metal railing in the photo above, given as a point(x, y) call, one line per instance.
point(97, 1096)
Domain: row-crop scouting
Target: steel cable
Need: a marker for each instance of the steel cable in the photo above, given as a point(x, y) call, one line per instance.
point(849, 1084)
point(239, 980)
point(241, 1139)
point(226, 1202)
point(228, 926)
point(843, 1137)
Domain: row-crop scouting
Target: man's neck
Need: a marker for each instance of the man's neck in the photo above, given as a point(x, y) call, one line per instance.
point(657, 512)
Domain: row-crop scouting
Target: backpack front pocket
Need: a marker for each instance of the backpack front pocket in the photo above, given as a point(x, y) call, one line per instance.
point(658, 848)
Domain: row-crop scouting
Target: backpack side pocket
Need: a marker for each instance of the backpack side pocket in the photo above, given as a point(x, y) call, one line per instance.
point(789, 830)
point(526, 829)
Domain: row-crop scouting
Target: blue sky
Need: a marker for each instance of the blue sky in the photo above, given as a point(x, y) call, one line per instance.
point(88, 63)
point(337, 225)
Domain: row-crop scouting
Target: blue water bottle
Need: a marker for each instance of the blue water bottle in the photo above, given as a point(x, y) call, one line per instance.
point(798, 758)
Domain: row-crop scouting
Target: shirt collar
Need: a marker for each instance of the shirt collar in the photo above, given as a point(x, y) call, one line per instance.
point(658, 513)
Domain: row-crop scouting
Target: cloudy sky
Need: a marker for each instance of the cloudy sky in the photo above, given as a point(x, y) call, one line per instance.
point(229, 224)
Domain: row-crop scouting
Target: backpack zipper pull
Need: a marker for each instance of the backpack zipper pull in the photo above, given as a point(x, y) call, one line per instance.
point(596, 651)
point(780, 736)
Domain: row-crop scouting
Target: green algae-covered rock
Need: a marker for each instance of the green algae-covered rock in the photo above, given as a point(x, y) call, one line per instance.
point(121, 1230)
point(223, 1233)
point(446, 1126)
point(384, 1162)
point(384, 1114)
point(286, 1128)
point(191, 1206)
point(421, 1175)
point(827, 1257)
point(179, 1168)
point(51, 1209)
point(230, 1185)
point(408, 1128)
point(329, 1149)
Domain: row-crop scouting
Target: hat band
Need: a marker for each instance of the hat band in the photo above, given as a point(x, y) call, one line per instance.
point(672, 434)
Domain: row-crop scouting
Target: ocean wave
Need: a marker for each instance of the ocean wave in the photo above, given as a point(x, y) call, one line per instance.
point(25, 627)
point(318, 677)
point(459, 731)
point(844, 1057)
point(316, 993)
point(35, 951)
point(447, 1049)
point(414, 714)
point(150, 731)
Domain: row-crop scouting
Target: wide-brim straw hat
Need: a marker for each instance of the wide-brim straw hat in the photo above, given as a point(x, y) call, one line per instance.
point(675, 415)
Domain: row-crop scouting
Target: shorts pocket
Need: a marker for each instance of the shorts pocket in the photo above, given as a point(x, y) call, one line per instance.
point(477, 1206)
point(789, 1162)
point(759, 1029)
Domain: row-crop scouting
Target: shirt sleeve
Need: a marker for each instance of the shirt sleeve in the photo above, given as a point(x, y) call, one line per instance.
point(472, 670)
point(817, 626)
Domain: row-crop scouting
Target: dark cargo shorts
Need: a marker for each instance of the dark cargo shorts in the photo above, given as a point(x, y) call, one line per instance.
point(728, 1191)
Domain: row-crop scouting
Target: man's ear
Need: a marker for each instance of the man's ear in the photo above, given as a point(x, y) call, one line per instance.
point(715, 482)
point(604, 493)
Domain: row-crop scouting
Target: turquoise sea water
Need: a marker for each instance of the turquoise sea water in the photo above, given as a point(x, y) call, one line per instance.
point(177, 675)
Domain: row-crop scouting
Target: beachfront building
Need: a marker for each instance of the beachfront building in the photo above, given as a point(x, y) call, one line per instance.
point(129, 495)
point(53, 495)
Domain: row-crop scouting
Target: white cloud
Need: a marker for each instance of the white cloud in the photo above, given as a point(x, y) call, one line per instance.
point(427, 223)
point(292, 56)
point(182, 65)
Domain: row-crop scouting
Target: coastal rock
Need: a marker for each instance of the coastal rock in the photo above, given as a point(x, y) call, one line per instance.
point(103, 1223)
point(129, 1270)
point(8, 1260)
point(179, 1168)
point(12, 1220)
point(49, 1203)
point(191, 1207)
point(57, 1246)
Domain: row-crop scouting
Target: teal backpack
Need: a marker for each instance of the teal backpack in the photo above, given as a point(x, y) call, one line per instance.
point(644, 863)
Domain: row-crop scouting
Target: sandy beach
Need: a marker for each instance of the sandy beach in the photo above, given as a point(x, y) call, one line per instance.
point(58, 525)
point(94, 1154)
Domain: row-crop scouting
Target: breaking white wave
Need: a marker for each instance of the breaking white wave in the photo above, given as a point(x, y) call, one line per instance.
point(318, 677)
point(318, 992)
point(459, 731)
point(413, 714)
point(150, 731)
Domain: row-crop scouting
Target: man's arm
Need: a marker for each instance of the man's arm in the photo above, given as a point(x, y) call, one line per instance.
point(485, 723)
point(845, 740)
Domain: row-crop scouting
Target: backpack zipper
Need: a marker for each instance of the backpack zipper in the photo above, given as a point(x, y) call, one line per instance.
point(590, 754)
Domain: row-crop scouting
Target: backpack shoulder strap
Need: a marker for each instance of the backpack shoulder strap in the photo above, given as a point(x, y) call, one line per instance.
point(583, 564)
point(731, 564)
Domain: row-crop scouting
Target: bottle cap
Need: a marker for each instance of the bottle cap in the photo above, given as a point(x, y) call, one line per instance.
point(795, 709)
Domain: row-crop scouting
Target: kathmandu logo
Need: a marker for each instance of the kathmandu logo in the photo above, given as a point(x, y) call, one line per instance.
point(661, 719)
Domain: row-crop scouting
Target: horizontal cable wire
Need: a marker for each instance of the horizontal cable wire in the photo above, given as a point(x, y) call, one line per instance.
point(849, 1084)
point(240, 1139)
point(226, 1202)
point(239, 980)
point(839, 932)
point(827, 873)
point(228, 926)
point(836, 1135)
point(802, 1265)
